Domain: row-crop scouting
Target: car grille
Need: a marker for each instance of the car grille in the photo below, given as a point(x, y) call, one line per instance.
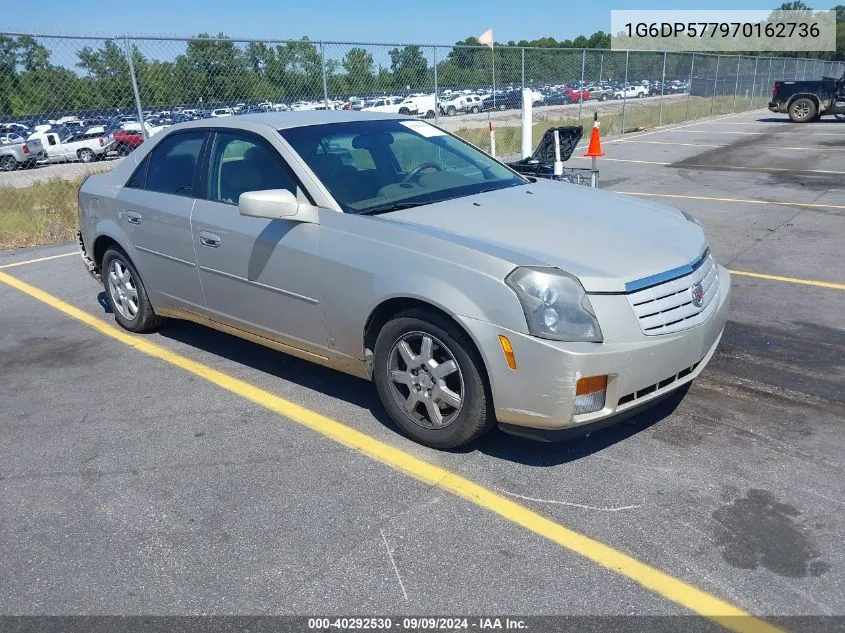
point(663, 307)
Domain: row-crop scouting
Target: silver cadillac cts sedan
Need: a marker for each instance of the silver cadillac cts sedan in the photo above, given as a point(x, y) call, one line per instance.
point(384, 247)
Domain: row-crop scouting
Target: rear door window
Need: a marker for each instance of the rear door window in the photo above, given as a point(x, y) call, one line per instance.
point(173, 164)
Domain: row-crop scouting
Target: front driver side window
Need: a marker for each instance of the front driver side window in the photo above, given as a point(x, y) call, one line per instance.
point(241, 163)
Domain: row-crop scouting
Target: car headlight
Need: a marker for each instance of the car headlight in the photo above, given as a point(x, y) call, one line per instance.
point(555, 305)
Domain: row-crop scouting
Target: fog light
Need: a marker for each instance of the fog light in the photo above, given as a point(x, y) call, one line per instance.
point(590, 394)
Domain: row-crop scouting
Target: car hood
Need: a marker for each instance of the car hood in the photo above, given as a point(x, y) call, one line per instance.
point(604, 239)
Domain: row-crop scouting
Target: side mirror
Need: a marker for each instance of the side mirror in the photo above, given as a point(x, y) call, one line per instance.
point(276, 204)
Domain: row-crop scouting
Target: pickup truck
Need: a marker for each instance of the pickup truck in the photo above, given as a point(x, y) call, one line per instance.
point(84, 146)
point(19, 154)
point(630, 92)
point(806, 101)
point(126, 140)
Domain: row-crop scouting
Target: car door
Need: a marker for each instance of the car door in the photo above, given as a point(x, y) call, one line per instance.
point(154, 210)
point(258, 275)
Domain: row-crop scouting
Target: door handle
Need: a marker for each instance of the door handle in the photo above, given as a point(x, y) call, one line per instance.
point(209, 239)
point(132, 217)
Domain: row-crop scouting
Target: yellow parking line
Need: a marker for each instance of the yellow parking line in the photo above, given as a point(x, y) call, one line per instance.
point(38, 259)
point(756, 147)
point(811, 205)
point(719, 167)
point(659, 582)
point(791, 280)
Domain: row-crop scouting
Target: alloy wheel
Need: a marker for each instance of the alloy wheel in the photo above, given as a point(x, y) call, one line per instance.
point(425, 380)
point(124, 293)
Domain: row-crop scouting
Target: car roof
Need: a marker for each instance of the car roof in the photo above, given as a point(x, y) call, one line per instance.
point(284, 120)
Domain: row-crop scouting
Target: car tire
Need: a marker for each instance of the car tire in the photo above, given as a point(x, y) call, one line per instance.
point(475, 109)
point(404, 111)
point(8, 163)
point(451, 111)
point(603, 98)
point(465, 383)
point(429, 114)
point(86, 155)
point(126, 294)
point(802, 110)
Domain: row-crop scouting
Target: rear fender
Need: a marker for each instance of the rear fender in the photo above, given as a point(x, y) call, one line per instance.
point(809, 95)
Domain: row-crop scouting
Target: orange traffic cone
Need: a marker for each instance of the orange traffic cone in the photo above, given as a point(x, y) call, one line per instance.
point(594, 149)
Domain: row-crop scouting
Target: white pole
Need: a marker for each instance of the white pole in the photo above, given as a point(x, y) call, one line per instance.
point(527, 123)
point(493, 55)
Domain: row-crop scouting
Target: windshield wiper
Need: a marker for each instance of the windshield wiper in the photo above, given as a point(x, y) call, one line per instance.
point(387, 208)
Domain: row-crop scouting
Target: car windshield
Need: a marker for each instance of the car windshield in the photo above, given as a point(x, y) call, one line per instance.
point(378, 166)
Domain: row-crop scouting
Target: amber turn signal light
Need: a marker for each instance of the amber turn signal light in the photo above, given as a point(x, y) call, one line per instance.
point(508, 351)
point(591, 384)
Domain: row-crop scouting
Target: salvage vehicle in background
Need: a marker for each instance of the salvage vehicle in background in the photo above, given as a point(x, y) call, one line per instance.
point(126, 140)
point(503, 101)
point(84, 146)
point(806, 101)
point(387, 248)
point(600, 93)
point(17, 153)
point(635, 91)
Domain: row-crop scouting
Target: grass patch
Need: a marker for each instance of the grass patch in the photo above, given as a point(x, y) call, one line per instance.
point(637, 114)
point(43, 213)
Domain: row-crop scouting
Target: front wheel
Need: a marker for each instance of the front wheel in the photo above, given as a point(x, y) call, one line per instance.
point(126, 294)
point(802, 110)
point(475, 109)
point(604, 97)
point(451, 111)
point(429, 378)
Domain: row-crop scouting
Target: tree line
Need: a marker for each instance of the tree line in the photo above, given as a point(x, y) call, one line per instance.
point(215, 70)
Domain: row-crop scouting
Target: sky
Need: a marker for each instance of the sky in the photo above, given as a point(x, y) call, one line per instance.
point(393, 21)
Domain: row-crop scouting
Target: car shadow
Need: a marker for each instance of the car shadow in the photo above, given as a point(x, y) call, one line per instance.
point(363, 394)
point(786, 119)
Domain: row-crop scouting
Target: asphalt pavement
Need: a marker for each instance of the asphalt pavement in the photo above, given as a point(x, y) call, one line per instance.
point(132, 486)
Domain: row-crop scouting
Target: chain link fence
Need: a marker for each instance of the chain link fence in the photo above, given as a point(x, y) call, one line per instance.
point(80, 102)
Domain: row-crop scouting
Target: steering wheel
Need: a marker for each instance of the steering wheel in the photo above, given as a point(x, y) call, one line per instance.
point(415, 172)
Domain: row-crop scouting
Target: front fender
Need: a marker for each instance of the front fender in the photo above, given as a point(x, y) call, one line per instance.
point(356, 281)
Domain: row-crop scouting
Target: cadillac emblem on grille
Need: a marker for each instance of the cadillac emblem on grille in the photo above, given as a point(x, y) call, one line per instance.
point(697, 293)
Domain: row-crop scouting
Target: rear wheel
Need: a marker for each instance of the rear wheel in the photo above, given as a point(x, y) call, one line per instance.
point(126, 293)
point(451, 111)
point(802, 110)
point(85, 155)
point(475, 109)
point(429, 378)
point(8, 163)
point(603, 98)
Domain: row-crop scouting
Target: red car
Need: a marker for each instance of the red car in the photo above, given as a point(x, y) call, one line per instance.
point(126, 140)
point(577, 95)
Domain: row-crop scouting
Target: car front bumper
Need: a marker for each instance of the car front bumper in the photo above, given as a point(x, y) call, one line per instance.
point(540, 393)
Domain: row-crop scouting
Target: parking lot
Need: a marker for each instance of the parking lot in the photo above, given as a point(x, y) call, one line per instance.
point(192, 472)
